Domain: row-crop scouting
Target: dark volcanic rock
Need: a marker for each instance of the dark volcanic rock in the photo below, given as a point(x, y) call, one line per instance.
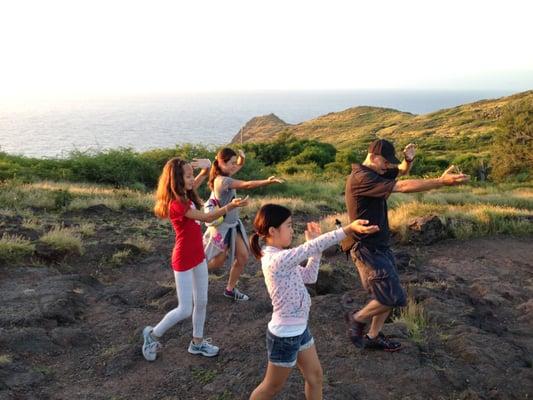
point(97, 209)
point(28, 341)
point(48, 253)
point(334, 279)
point(120, 360)
point(403, 259)
point(71, 337)
point(426, 230)
point(22, 379)
point(52, 300)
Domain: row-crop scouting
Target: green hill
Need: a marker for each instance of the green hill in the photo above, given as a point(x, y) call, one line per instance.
point(489, 139)
point(468, 128)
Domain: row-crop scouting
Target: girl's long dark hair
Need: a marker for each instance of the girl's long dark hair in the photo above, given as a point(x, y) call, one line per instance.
point(171, 186)
point(270, 215)
point(225, 155)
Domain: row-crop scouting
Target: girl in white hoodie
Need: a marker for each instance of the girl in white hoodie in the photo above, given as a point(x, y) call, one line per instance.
point(289, 341)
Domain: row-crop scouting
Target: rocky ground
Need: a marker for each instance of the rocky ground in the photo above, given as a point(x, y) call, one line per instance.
point(70, 326)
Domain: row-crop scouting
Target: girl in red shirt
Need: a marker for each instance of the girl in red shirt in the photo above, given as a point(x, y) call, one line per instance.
point(177, 200)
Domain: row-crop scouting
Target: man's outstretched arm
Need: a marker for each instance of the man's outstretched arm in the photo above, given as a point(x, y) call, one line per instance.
point(422, 185)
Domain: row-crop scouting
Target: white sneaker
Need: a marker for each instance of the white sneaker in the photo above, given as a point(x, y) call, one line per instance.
point(205, 348)
point(236, 295)
point(150, 345)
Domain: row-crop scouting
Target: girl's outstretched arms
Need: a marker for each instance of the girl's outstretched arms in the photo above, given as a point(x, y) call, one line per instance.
point(236, 184)
point(198, 215)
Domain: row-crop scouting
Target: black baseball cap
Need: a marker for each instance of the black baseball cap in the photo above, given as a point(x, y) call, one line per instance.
point(384, 148)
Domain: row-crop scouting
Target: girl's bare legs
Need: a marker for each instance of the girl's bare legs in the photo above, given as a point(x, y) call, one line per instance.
point(273, 382)
point(241, 257)
point(275, 377)
point(309, 365)
point(217, 261)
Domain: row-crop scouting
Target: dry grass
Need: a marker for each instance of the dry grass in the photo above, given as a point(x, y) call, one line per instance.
point(327, 268)
point(86, 229)
point(63, 239)
point(464, 221)
point(43, 195)
point(521, 199)
point(124, 199)
point(169, 284)
point(31, 223)
point(143, 244)
point(120, 257)
point(5, 212)
point(24, 196)
point(292, 203)
point(13, 248)
point(85, 189)
point(467, 211)
point(5, 359)
point(83, 203)
point(328, 223)
point(414, 318)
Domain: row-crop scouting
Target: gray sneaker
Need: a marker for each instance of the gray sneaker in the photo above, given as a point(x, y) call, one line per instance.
point(235, 294)
point(150, 345)
point(205, 348)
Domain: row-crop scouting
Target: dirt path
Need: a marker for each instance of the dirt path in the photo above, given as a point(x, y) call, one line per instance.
point(75, 334)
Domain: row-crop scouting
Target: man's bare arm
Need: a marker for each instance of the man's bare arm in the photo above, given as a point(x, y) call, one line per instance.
point(422, 185)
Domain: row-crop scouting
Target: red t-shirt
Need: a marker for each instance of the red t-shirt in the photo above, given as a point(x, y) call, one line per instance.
point(188, 250)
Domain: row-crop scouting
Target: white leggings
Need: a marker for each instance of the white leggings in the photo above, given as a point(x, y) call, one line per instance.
point(191, 286)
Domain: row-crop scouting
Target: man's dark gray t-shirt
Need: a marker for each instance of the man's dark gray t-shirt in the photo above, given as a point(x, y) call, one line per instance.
point(366, 198)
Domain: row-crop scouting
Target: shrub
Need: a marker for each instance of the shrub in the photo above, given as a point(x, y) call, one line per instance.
point(116, 167)
point(317, 153)
point(293, 167)
point(62, 198)
point(426, 164)
point(473, 165)
point(512, 152)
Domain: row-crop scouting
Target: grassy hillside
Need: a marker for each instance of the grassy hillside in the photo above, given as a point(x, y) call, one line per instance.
point(467, 129)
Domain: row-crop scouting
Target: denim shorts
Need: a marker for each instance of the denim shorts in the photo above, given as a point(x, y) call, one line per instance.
point(283, 351)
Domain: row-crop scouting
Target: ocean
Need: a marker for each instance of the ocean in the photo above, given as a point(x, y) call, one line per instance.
point(53, 129)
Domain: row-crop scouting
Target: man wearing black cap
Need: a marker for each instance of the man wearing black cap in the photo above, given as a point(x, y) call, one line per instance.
point(367, 189)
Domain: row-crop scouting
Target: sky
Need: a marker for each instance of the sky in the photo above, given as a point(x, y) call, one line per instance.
point(111, 47)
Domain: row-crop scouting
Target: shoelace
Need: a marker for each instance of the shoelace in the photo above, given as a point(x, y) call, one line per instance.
point(206, 341)
point(154, 346)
